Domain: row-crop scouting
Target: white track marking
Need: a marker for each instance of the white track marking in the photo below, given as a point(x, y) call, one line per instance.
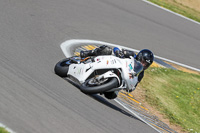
point(171, 11)
point(136, 115)
point(8, 129)
point(65, 46)
point(180, 64)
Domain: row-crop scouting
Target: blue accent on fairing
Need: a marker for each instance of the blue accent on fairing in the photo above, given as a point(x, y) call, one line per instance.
point(130, 66)
point(115, 49)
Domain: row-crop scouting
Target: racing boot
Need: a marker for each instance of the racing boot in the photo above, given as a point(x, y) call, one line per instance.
point(102, 50)
point(87, 53)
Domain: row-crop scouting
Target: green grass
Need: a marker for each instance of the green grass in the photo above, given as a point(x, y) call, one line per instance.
point(3, 130)
point(178, 8)
point(175, 94)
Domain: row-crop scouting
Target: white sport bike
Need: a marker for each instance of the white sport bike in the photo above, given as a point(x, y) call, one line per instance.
point(100, 74)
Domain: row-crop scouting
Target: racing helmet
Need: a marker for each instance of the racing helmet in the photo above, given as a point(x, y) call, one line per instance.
point(146, 58)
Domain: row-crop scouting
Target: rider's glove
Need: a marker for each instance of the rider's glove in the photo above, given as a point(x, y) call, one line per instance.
point(131, 75)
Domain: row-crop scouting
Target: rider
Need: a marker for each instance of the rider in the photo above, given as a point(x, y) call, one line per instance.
point(145, 57)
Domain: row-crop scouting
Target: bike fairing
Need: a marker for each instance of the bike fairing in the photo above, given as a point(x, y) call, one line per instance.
point(145, 56)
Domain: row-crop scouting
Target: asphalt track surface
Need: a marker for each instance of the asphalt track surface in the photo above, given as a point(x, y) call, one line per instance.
point(34, 100)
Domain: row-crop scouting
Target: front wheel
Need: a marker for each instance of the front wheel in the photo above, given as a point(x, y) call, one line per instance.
point(90, 87)
point(62, 67)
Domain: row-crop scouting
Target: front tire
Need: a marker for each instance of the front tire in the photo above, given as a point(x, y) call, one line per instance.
point(109, 84)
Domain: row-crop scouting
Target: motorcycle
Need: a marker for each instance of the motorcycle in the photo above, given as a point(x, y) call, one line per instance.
point(100, 74)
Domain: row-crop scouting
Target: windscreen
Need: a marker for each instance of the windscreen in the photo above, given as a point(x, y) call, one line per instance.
point(137, 67)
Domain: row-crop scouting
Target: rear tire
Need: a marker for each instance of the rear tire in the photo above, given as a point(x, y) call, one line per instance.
point(61, 68)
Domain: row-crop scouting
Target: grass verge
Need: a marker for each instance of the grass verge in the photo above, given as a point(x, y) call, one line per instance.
point(3, 130)
point(184, 10)
point(175, 94)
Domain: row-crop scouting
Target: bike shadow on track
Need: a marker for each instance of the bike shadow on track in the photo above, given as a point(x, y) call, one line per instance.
point(107, 103)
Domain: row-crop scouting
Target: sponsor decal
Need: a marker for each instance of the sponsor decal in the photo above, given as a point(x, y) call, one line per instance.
point(79, 71)
point(130, 66)
point(113, 61)
point(148, 61)
point(88, 69)
point(98, 60)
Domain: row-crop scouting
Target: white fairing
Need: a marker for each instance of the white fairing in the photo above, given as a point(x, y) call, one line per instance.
point(83, 71)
